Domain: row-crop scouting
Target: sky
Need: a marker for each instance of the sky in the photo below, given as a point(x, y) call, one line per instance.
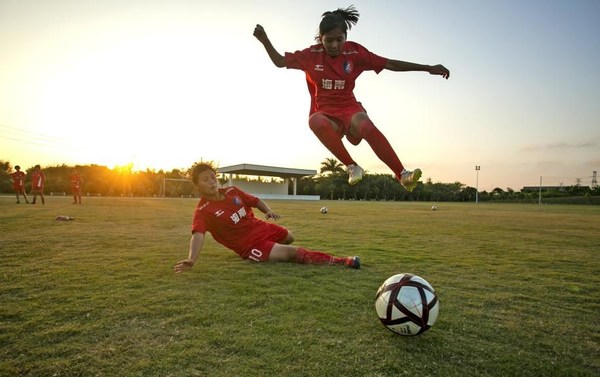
point(163, 84)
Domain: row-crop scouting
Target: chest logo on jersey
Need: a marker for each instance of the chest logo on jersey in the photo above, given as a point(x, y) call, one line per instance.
point(348, 67)
point(219, 213)
point(319, 67)
point(237, 201)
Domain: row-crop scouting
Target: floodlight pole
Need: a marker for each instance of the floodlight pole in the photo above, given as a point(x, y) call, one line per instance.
point(477, 168)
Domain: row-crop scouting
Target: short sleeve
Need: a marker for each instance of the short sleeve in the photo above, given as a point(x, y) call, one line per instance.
point(198, 223)
point(248, 199)
point(297, 60)
point(370, 61)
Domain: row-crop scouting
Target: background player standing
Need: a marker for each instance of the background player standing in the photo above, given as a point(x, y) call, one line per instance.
point(38, 180)
point(332, 67)
point(75, 180)
point(18, 178)
point(227, 214)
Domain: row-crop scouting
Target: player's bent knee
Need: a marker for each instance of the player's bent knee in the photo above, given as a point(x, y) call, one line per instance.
point(288, 239)
point(283, 253)
point(318, 121)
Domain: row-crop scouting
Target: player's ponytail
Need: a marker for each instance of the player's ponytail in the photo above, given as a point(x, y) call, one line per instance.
point(339, 18)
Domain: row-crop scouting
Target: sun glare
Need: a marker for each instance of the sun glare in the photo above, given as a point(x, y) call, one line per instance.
point(121, 105)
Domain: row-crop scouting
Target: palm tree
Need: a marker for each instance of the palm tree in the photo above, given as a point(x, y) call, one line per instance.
point(333, 166)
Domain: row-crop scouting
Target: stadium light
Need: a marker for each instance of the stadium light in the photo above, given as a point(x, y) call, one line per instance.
point(477, 168)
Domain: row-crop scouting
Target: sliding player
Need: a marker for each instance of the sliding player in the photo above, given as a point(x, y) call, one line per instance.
point(227, 214)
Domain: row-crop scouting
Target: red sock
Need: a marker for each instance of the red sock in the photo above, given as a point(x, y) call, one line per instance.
point(305, 256)
point(319, 124)
point(383, 150)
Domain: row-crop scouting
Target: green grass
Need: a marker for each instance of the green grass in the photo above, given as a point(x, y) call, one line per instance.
point(519, 287)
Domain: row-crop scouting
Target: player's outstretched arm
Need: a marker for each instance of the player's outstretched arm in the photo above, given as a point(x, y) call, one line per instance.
point(440, 70)
point(401, 66)
point(196, 243)
point(276, 57)
point(264, 208)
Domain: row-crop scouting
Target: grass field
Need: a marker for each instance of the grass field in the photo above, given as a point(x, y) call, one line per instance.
point(519, 287)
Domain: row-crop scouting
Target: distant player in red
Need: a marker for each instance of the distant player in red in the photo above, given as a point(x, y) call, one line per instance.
point(332, 67)
point(18, 178)
point(38, 179)
point(226, 213)
point(75, 179)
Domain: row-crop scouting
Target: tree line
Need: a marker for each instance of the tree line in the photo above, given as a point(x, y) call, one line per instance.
point(97, 180)
point(331, 183)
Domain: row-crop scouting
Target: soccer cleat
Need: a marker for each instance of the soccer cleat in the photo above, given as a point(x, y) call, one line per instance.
point(355, 174)
point(353, 262)
point(409, 179)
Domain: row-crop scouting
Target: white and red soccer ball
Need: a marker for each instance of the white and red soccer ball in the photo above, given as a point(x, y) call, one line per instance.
point(407, 304)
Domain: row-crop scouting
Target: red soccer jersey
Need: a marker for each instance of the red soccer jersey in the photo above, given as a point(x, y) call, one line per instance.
point(75, 179)
point(331, 80)
point(231, 221)
point(37, 180)
point(18, 178)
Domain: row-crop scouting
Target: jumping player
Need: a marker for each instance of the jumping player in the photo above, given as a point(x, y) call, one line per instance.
point(18, 178)
point(227, 214)
point(332, 67)
point(38, 180)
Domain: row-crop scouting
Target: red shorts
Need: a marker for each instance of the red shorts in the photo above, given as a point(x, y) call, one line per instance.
point(343, 117)
point(261, 250)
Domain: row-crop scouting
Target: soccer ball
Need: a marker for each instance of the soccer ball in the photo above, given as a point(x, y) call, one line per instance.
point(324, 210)
point(433, 208)
point(407, 304)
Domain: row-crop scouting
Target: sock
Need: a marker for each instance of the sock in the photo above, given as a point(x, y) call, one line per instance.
point(305, 256)
point(319, 124)
point(383, 149)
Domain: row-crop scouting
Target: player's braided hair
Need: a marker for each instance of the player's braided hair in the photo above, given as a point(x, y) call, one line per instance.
point(339, 18)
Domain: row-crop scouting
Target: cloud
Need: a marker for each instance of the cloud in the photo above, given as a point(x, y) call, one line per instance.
point(593, 163)
point(559, 146)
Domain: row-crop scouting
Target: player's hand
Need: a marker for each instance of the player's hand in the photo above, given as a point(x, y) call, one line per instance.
point(183, 265)
point(260, 34)
point(272, 215)
point(440, 70)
